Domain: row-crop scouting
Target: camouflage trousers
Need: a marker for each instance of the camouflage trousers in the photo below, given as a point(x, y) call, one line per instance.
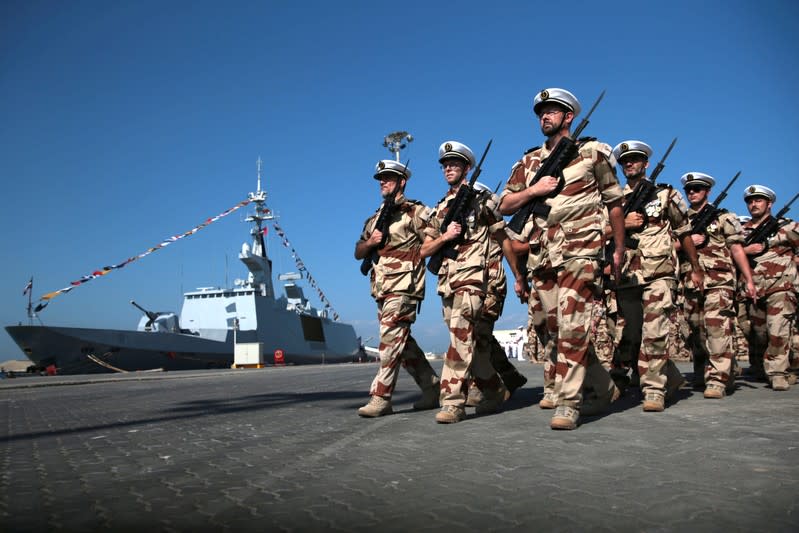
point(646, 310)
point(536, 332)
point(567, 298)
point(604, 328)
point(486, 345)
point(770, 325)
point(462, 360)
point(710, 315)
point(397, 346)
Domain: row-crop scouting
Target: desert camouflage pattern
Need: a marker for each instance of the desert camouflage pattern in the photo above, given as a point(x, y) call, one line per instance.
point(400, 270)
point(655, 257)
point(775, 270)
point(535, 348)
point(574, 226)
point(604, 327)
point(771, 318)
point(398, 347)
point(711, 317)
point(461, 314)
point(470, 268)
point(565, 250)
point(714, 255)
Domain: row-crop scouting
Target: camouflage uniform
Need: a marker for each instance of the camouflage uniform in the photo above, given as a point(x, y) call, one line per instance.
point(646, 293)
point(565, 251)
point(463, 286)
point(497, 290)
point(711, 313)
point(397, 285)
point(772, 316)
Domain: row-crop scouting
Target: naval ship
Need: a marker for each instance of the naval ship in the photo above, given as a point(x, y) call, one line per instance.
point(212, 323)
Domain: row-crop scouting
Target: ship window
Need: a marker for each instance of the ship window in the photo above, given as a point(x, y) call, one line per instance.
point(312, 328)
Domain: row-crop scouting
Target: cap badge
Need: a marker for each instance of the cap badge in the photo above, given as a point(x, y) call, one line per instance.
point(381, 165)
point(448, 147)
point(624, 147)
point(751, 189)
point(544, 94)
point(689, 177)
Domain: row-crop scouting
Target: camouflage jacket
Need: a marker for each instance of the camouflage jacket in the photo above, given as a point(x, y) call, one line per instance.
point(775, 270)
point(400, 270)
point(656, 257)
point(715, 256)
point(574, 226)
point(469, 270)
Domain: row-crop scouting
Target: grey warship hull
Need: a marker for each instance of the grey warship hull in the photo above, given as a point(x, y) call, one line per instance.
point(85, 350)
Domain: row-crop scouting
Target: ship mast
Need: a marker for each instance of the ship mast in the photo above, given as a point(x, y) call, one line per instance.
point(257, 260)
point(397, 141)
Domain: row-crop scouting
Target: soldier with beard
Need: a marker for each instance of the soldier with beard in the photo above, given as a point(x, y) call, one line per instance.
point(646, 293)
point(397, 285)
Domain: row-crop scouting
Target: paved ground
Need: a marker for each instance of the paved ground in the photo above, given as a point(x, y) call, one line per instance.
point(283, 449)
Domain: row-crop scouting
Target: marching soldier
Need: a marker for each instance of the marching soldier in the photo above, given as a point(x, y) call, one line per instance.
point(565, 252)
point(646, 293)
point(463, 285)
point(397, 284)
point(711, 312)
point(492, 309)
point(775, 274)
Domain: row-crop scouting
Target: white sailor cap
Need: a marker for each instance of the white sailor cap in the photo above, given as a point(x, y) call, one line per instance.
point(481, 187)
point(697, 178)
point(389, 166)
point(557, 96)
point(743, 219)
point(455, 149)
point(630, 148)
point(760, 190)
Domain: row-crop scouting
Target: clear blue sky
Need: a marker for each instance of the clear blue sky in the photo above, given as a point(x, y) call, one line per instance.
point(128, 122)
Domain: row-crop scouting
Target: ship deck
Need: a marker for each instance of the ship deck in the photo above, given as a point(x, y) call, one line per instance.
point(283, 448)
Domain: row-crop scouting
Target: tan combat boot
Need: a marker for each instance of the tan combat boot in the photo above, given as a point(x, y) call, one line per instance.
point(779, 383)
point(548, 401)
point(474, 396)
point(597, 404)
point(429, 399)
point(654, 402)
point(377, 406)
point(450, 414)
point(564, 417)
point(714, 391)
point(491, 402)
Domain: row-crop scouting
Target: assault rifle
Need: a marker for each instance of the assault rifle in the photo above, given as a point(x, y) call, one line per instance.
point(767, 228)
point(382, 224)
point(458, 209)
point(563, 154)
point(643, 193)
point(710, 212)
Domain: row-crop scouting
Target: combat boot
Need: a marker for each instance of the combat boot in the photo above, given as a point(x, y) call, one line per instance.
point(429, 399)
point(564, 417)
point(474, 396)
point(450, 414)
point(596, 404)
point(377, 406)
point(791, 379)
point(512, 382)
point(715, 391)
point(654, 402)
point(779, 383)
point(548, 401)
point(491, 402)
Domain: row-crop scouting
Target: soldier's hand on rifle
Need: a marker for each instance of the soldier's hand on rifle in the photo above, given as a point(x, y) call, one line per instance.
point(522, 289)
point(754, 249)
point(634, 220)
point(375, 238)
point(751, 290)
point(698, 239)
point(698, 279)
point(544, 186)
point(453, 232)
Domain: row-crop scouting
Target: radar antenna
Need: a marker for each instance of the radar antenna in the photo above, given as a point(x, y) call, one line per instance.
point(397, 141)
